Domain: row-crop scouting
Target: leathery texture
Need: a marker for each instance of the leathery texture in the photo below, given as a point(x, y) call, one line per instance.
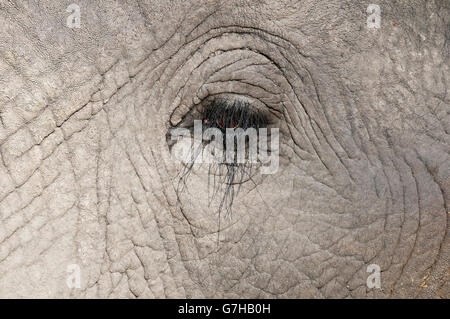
point(86, 176)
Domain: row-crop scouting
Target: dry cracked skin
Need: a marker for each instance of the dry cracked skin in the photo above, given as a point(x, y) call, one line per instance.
point(88, 184)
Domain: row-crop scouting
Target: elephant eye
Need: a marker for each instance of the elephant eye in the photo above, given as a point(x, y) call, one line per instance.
point(237, 114)
point(223, 113)
point(219, 127)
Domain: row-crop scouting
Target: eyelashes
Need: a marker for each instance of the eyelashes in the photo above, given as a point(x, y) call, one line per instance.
point(238, 114)
point(226, 178)
point(234, 120)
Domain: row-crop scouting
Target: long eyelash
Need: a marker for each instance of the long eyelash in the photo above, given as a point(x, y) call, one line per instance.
point(222, 114)
point(238, 114)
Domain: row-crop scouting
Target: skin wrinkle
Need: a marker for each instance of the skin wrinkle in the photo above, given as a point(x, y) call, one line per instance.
point(322, 133)
point(178, 243)
point(208, 82)
point(22, 126)
point(262, 198)
point(27, 204)
point(415, 233)
point(400, 275)
point(325, 135)
point(220, 69)
point(446, 210)
point(102, 218)
point(106, 223)
point(232, 27)
point(396, 246)
point(8, 236)
point(183, 65)
point(187, 79)
point(382, 160)
point(43, 140)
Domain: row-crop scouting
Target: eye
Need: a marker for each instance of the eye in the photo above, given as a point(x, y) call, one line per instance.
point(227, 111)
point(234, 114)
point(234, 132)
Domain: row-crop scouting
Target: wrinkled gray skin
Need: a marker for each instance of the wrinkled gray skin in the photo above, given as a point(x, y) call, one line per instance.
point(86, 176)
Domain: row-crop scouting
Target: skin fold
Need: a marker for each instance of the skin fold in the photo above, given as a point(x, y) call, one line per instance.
point(87, 178)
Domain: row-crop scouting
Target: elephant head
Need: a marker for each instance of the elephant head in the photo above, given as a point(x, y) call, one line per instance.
point(93, 203)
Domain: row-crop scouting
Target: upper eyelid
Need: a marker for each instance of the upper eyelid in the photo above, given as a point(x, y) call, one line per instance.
point(236, 110)
point(206, 108)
